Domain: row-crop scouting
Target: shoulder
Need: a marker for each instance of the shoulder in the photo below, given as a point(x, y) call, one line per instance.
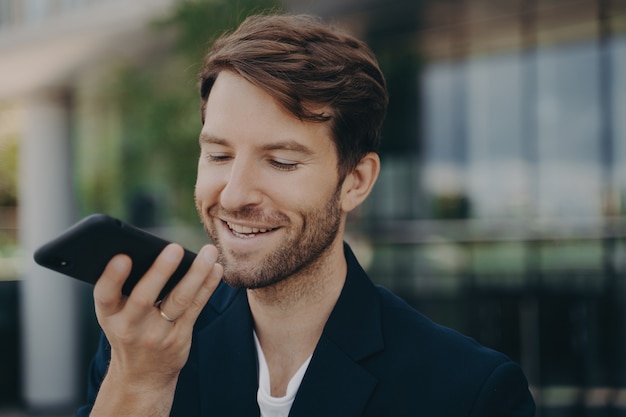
point(405, 327)
point(448, 370)
point(405, 335)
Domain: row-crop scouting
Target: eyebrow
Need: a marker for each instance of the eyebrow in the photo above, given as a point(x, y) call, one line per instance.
point(288, 145)
point(206, 138)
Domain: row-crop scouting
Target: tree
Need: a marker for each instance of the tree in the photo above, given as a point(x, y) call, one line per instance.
point(159, 106)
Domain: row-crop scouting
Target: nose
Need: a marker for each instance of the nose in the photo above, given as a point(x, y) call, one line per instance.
point(242, 187)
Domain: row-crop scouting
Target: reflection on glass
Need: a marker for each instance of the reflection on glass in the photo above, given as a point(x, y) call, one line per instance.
point(497, 172)
point(569, 131)
point(618, 89)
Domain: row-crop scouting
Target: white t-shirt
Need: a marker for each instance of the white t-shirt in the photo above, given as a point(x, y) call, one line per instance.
point(276, 406)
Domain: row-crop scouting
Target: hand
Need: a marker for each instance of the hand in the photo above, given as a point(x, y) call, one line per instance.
point(147, 350)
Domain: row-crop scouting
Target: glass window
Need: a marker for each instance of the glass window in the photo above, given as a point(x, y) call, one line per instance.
point(445, 151)
point(618, 91)
point(497, 180)
point(569, 130)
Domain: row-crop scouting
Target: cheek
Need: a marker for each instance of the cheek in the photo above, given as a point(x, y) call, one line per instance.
point(206, 187)
point(305, 195)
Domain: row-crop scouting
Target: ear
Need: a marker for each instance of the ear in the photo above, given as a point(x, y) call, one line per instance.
point(358, 183)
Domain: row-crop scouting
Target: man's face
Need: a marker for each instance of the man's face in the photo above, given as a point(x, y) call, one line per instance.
point(267, 190)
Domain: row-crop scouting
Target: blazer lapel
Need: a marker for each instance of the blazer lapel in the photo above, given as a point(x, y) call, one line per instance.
point(227, 363)
point(335, 384)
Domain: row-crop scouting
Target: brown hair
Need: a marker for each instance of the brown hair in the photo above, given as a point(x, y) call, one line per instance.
point(306, 65)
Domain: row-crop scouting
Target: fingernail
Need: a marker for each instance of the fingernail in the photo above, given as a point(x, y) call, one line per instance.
point(119, 263)
point(170, 253)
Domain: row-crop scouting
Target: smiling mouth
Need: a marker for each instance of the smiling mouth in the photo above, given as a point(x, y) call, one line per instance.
point(246, 232)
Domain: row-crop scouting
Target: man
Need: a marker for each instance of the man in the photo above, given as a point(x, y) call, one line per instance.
point(291, 113)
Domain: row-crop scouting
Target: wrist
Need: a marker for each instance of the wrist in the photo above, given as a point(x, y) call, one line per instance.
point(124, 395)
point(142, 382)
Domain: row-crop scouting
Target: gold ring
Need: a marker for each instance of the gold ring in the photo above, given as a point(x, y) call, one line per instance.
point(166, 317)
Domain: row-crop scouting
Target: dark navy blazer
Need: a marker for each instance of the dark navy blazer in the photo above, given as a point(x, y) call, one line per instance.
point(377, 356)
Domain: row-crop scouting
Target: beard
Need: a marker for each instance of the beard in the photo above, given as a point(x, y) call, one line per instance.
point(302, 251)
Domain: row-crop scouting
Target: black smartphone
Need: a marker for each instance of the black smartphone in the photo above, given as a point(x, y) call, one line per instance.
point(84, 250)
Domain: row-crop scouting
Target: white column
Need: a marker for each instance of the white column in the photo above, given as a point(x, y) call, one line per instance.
point(49, 301)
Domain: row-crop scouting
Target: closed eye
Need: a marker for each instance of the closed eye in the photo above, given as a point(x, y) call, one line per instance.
point(218, 157)
point(283, 166)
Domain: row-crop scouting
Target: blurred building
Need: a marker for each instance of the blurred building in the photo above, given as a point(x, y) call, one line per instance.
point(499, 210)
point(48, 48)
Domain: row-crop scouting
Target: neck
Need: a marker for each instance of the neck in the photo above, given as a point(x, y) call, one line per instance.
point(289, 317)
point(304, 298)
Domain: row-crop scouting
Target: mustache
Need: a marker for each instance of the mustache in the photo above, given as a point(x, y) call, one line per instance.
point(253, 214)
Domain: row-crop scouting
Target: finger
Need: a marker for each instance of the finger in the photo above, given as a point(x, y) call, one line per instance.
point(150, 285)
point(107, 291)
point(206, 290)
point(183, 295)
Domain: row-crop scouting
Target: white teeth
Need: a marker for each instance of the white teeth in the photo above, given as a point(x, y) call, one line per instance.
point(245, 229)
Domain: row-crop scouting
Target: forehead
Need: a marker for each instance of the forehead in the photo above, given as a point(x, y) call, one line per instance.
point(237, 110)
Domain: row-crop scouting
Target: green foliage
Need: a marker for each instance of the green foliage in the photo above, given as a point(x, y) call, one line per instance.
point(159, 104)
point(200, 22)
point(8, 171)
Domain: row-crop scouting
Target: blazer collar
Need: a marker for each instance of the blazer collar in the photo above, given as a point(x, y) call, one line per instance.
point(354, 324)
point(335, 384)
